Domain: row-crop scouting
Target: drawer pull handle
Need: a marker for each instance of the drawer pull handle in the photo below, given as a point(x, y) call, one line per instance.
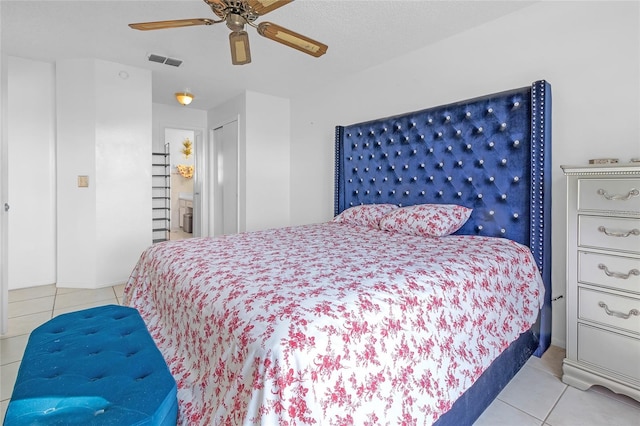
point(618, 234)
point(618, 314)
point(633, 193)
point(618, 274)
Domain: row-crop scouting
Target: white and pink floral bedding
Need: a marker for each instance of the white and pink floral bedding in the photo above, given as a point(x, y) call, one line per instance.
point(331, 324)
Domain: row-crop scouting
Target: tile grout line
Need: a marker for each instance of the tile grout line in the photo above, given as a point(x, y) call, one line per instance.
point(544, 422)
point(521, 410)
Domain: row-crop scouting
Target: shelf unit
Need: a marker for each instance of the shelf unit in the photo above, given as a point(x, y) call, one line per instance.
point(161, 195)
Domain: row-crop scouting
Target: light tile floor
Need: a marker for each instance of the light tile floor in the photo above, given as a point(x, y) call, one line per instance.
point(179, 234)
point(536, 396)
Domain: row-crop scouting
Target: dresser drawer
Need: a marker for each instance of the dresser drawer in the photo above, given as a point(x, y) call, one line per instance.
point(610, 233)
point(610, 351)
point(619, 272)
point(609, 309)
point(621, 195)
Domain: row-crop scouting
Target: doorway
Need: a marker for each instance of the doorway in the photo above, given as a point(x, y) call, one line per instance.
point(182, 153)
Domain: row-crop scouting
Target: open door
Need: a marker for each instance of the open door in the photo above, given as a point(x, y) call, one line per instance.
point(198, 199)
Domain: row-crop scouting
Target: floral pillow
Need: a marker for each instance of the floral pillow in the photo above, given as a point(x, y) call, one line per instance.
point(427, 220)
point(365, 215)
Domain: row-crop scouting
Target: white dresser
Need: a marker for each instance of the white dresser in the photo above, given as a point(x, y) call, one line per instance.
point(603, 278)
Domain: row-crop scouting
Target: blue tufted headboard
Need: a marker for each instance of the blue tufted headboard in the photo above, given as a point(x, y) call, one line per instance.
point(492, 154)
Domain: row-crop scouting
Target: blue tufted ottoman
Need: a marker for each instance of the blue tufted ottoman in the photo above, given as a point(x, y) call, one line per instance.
point(98, 366)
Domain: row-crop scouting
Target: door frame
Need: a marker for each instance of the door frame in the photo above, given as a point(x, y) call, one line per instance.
point(200, 226)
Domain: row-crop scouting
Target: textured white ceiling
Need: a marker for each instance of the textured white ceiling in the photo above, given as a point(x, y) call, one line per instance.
point(360, 34)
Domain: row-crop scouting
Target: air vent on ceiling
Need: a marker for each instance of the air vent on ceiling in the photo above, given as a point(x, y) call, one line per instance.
point(164, 60)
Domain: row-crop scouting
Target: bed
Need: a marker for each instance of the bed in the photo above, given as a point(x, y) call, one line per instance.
point(423, 321)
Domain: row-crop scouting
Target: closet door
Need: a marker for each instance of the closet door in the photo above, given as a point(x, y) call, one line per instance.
point(224, 179)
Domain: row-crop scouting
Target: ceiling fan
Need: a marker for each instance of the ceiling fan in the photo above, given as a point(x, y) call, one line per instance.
point(237, 13)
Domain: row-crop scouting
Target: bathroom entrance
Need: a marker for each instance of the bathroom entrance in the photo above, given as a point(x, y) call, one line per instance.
point(181, 144)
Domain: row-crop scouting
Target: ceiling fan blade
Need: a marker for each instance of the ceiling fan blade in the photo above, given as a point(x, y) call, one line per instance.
point(218, 7)
point(262, 7)
point(176, 23)
point(292, 39)
point(240, 52)
point(219, 3)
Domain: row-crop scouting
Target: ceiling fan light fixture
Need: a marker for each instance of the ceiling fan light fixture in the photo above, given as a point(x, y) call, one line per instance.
point(184, 98)
point(240, 52)
point(235, 22)
point(236, 14)
point(291, 39)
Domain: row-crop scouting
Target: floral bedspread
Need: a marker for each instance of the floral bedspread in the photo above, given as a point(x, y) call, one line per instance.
point(331, 324)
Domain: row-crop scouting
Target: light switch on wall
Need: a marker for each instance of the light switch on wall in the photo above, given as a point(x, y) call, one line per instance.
point(83, 181)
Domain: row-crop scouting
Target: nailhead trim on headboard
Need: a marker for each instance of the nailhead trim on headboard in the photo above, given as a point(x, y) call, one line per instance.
point(541, 198)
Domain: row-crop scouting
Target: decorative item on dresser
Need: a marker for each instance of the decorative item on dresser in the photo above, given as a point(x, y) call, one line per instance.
point(603, 278)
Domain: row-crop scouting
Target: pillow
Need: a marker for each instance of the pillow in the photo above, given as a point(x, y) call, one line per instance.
point(364, 215)
point(427, 220)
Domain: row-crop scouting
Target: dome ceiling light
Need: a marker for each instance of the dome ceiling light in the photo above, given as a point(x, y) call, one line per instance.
point(184, 98)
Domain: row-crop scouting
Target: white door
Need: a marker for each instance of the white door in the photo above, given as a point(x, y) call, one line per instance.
point(224, 179)
point(197, 186)
point(4, 225)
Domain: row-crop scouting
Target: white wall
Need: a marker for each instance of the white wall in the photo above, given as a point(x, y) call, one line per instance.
point(102, 229)
point(264, 157)
point(76, 156)
point(175, 116)
point(31, 174)
point(588, 51)
point(29, 136)
point(267, 161)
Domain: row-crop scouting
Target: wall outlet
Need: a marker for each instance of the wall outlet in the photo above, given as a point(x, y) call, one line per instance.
point(83, 181)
